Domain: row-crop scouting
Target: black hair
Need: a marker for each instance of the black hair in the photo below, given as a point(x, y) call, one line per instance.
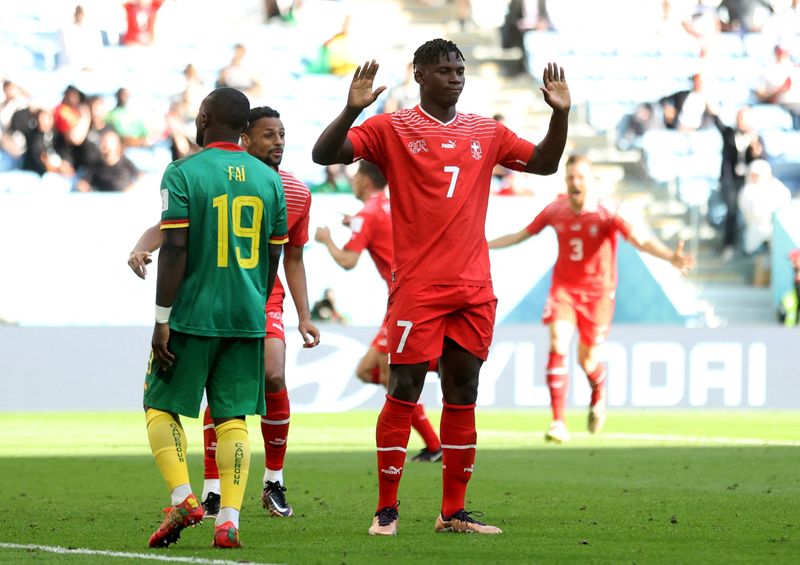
point(431, 51)
point(262, 112)
point(373, 173)
point(230, 107)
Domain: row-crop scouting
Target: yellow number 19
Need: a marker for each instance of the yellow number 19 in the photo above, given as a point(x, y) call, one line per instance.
point(253, 233)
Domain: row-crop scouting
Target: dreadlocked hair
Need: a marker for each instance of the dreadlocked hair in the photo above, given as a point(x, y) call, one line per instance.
point(431, 51)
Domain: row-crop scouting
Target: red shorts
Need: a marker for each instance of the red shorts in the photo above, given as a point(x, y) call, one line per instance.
point(380, 343)
point(591, 311)
point(420, 316)
point(275, 322)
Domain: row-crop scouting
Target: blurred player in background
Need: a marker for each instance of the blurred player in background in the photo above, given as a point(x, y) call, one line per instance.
point(372, 230)
point(197, 346)
point(441, 305)
point(264, 138)
point(584, 284)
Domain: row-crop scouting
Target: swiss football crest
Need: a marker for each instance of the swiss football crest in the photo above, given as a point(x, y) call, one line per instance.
point(417, 146)
point(475, 149)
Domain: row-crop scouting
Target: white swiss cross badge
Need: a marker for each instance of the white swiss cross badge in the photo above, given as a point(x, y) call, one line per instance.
point(475, 149)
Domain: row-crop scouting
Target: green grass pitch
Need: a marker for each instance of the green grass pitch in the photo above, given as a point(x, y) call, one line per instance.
point(654, 487)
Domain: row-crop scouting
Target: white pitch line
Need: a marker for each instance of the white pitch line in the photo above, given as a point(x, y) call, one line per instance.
point(648, 437)
point(123, 555)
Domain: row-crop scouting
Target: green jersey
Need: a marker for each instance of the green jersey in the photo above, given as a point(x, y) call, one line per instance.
point(232, 204)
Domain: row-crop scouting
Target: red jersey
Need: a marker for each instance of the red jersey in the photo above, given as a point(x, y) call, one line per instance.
point(587, 244)
point(372, 230)
point(439, 176)
point(298, 204)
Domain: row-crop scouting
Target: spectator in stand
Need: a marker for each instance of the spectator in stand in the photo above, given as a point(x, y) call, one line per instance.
point(193, 92)
point(41, 154)
point(337, 47)
point(703, 24)
point(129, 125)
point(72, 119)
point(114, 172)
point(237, 75)
point(784, 23)
point(12, 140)
point(741, 145)
point(404, 95)
point(523, 16)
point(779, 83)
point(741, 16)
point(79, 43)
point(634, 125)
point(324, 309)
point(281, 9)
point(761, 196)
point(140, 16)
point(685, 110)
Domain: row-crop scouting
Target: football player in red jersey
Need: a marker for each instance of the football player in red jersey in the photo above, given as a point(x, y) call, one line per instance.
point(372, 230)
point(264, 138)
point(439, 165)
point(584, 284)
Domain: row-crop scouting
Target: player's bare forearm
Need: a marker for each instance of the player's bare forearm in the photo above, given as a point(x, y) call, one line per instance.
point(295, 270)
point(333, 145)
point(548, 152)
point(171, 266)
point(509, 239)
point(274, 254)
point(150, 240)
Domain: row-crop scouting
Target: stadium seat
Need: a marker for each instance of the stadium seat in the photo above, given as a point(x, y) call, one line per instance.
point(767, 117)
point(20, 182)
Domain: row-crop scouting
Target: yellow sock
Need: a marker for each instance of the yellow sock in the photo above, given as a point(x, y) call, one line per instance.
point(168, 443)
point(233, 462)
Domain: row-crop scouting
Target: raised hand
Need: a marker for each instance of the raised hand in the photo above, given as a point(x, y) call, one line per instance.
point(683, 263)
point(361, 93)
point(555, 89)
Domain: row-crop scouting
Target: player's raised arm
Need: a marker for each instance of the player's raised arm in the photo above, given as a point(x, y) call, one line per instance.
point(556, 93)
point(140, 256)
point(509, 239)
point(333, 145)
point(345, 258)
point(653, 246)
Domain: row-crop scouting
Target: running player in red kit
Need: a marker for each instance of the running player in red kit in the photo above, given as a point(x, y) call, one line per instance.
point(372, 230)
point(441, 305)
point(584, 285)
point(264, 138)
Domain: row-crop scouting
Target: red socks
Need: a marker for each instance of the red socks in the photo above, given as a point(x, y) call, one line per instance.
point(209, 447)
point(391, 439)
point(420, 422)
point(275, 429)
point(597, 379)
point(459, 440)
point(558, 383)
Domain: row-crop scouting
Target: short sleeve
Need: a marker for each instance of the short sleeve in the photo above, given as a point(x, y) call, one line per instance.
point(514, 152)
point(280, 228)
point(541, 221)
point(298, 235)
point(361, 227)
point(174, 199)
point(366, 138)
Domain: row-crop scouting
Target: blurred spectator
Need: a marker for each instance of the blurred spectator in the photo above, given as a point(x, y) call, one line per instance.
point(12, 141)
point(784, 23)
point(90, 150)
point(789, 307)
point(404, 95)
point(523, 16)
point(741, 145)
point(703, 24)
point(339, 56)
point(761, 196)
point(193, 92)
point(113, 172)
point(337, 179)
point(464, 13)
point(72, 119)
point(79, 43)
point(779, 83)
point(324, 309)
point(281, 9)
point(140, 16)
point(237, 75)
point(41, 155)
point(634, 125)
point(129, 125)
point(741, 16)
point(685, 110)
point(180, 132)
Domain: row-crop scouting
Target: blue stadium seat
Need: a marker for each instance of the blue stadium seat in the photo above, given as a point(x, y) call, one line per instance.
point(767, 117)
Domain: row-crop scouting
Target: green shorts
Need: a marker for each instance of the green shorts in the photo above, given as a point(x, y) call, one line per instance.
point(229, 369)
